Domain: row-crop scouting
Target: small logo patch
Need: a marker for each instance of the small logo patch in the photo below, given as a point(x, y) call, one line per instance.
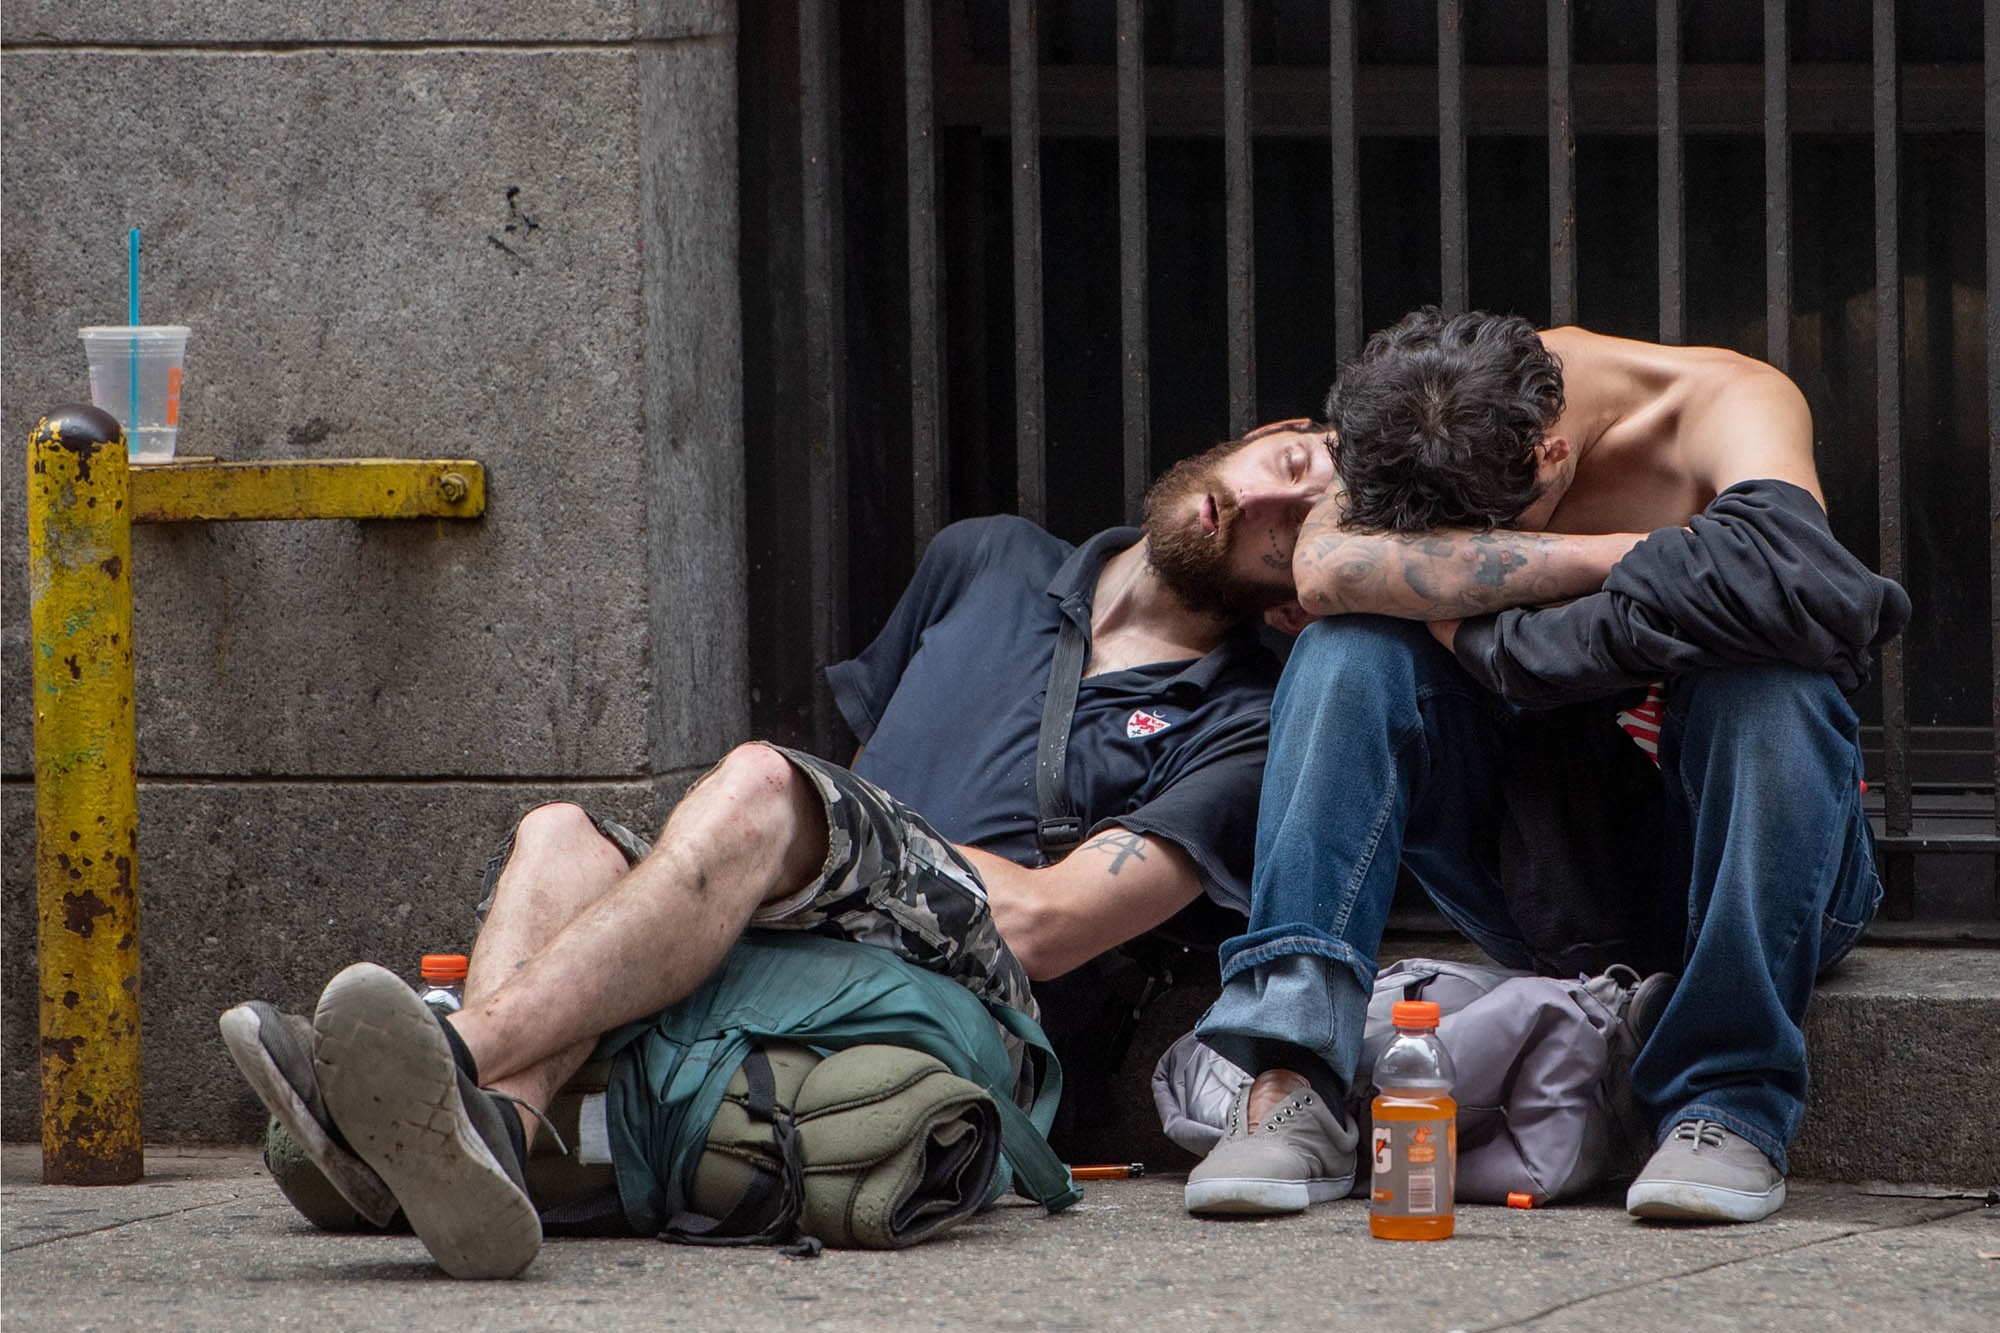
point(1143, 723)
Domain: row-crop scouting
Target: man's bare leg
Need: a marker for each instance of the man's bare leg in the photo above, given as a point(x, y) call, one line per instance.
point(559, 865)
point(753, 830)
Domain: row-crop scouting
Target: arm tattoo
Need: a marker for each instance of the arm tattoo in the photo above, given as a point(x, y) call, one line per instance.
point(1425, 575)
point(1425, 571)
point(1121, 846)
point(1335, 573)
point(1492, 563)
point(1470, 573)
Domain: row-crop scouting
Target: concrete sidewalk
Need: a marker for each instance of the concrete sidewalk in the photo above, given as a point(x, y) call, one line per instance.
point(207, 1242)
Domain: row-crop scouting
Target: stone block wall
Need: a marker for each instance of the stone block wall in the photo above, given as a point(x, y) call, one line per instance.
point(502, 232)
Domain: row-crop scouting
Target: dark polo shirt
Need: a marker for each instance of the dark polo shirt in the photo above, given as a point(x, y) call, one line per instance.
point(947, 702)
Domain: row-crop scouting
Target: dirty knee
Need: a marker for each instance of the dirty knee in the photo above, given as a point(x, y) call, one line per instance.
point(756, 799)
point(754, 775)
point(558, 821)
point(566, 829)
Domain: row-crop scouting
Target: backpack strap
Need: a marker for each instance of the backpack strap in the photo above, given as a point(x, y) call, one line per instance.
point(1060, 828)
point(1040, 1173)
point(740, 1226)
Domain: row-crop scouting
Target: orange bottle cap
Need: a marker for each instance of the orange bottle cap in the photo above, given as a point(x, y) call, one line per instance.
point(443, 967)
point(1414, 1014)
point(1519, 1200)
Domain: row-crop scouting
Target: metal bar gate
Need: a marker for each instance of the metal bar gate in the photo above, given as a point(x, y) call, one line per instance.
point(1349, 101)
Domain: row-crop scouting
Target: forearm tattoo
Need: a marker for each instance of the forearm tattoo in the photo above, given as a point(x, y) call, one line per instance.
point(1120, 846)
point(1428, 575)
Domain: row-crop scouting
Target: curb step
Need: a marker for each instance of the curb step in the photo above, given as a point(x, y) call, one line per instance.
point(1901, 1041)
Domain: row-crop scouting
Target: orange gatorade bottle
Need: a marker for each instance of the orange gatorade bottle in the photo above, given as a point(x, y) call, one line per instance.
point(1415, 1136)
point(444, 981)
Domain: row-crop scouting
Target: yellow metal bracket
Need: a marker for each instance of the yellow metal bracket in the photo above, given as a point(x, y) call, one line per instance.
point(83, 498)
point(308, 488)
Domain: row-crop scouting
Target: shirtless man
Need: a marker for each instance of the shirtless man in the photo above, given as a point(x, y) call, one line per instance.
point(587, 926)
point(1495, 483)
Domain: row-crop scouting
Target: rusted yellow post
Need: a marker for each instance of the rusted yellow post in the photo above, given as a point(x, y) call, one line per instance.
point(86, 797)
point(83, 499)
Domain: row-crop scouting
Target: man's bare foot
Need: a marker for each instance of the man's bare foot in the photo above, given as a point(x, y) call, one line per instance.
point(1269, 1089)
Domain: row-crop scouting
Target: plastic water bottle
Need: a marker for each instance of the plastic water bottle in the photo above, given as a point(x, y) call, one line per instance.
point(1415, 1137)
point(444, 981)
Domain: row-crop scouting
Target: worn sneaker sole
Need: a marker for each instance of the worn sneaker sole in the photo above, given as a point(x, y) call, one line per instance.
point(243, 1034)
point(1684, 1201)
point(389, 1082)
point(1260, 1197)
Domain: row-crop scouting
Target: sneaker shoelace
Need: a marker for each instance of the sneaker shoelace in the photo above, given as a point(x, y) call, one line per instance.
point(1701, 1133)
point(1286, 1112)
point(532, 1110)
point(1240, 1106)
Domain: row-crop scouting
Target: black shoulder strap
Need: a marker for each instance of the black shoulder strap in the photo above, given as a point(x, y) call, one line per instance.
point(746, 1223)
point(1060, 828)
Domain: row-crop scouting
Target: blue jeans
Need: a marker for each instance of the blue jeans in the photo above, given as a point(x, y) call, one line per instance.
point(1385, 753)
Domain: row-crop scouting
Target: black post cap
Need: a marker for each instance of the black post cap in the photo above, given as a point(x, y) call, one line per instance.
point(81, 423)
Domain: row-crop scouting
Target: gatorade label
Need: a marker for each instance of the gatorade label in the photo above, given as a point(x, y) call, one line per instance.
point(1413, 1167)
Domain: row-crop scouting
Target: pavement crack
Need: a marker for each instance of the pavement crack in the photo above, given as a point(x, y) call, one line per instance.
point(1585, 1299)
point(15, 1247)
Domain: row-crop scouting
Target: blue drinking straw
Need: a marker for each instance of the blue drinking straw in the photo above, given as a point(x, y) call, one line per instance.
point(132, 318)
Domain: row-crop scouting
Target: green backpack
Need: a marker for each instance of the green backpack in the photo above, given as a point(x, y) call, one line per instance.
point(810, 1088)
point(862, 1117)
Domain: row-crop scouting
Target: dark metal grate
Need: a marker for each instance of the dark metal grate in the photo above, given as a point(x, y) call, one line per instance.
point(1992, 100)
point(1673, 180)
point(927, 465)
point(1777, 188)
point(1453, 280)
point(1135, 383)
point(1241, 256)
point(1025, 100)
point(825, 344)
point(1901, 884)
point(1562, 169)
point(1346, 183)
point(978, 73)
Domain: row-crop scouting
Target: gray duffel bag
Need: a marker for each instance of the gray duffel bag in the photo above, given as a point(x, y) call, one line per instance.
point(1543, 1064)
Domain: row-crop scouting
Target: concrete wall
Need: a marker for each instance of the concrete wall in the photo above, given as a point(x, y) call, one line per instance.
point(499, 231)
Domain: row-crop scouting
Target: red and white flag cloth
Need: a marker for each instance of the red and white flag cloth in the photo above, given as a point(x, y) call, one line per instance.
point(1642, 720)
point(1642, 723)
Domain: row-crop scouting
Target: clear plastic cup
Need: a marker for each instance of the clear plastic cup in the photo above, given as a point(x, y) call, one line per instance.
point(135, 375)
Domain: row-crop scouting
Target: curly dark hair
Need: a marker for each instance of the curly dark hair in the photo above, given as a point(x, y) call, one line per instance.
point(1438, 419)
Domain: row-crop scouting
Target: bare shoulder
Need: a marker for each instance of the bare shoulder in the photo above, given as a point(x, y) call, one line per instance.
point(1743, 419)
point(1646, 368)
point(1715, 416)
point(1569, 340)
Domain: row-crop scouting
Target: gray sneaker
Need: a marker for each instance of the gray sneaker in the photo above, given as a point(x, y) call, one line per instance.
point(1301, 1155)
point(1704, 1173)
point(443, 1147)
point(274, 1050)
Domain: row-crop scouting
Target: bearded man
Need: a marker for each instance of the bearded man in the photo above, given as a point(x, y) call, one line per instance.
point(587, 926)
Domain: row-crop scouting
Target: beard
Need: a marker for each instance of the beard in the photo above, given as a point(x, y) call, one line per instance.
point(1195, 565)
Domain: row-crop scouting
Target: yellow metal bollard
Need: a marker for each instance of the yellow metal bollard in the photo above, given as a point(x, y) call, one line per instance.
point(83, 499)
point(86, 797)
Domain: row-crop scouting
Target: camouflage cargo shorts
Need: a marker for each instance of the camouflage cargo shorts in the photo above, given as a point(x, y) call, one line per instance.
point(890, 880)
